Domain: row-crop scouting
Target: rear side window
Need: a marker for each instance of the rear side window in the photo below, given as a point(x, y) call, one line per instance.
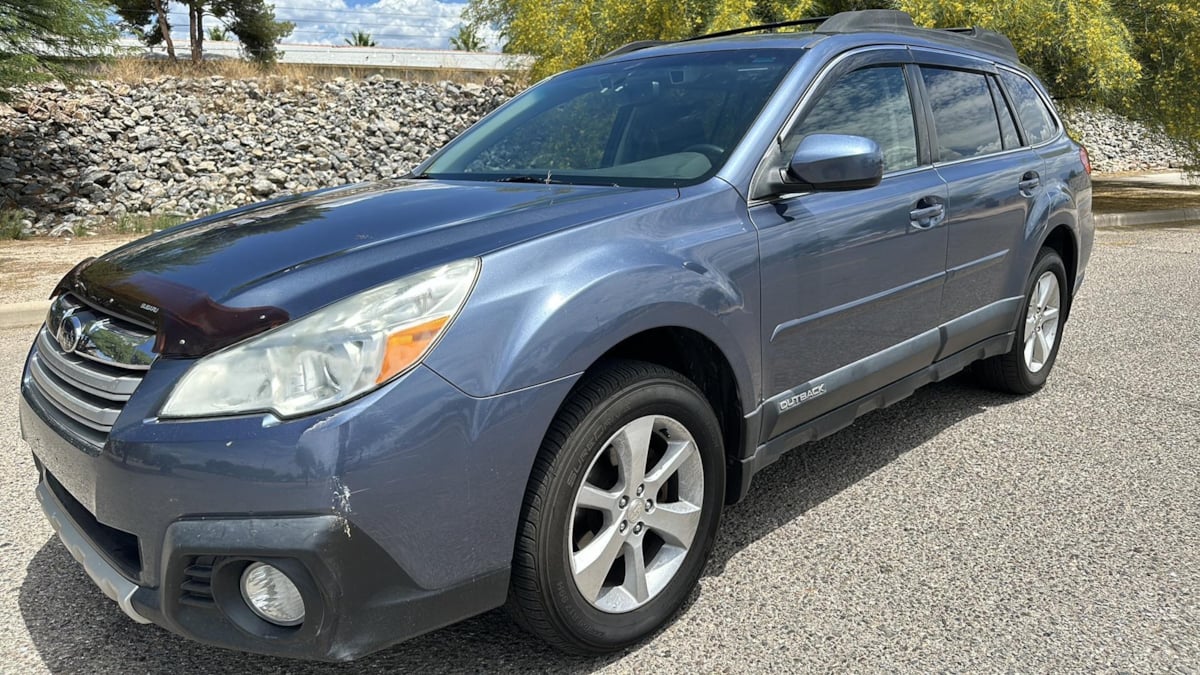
point(872, 102)
point(1035, 117)
point(1008, 127)
point(964, 116)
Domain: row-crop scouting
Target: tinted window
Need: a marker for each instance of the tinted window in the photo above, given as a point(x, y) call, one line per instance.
point(964, 116)
point(1008, 128)
point(872, 102)
point(1037, 120)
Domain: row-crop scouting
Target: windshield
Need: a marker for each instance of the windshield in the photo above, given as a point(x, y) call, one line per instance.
point(655, 122)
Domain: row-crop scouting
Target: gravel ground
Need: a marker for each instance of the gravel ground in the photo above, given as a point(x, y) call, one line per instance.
point(30, 268)
point(957, 530)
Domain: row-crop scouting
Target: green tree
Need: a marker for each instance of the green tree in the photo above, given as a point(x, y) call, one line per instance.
point(218, 34)
point(1166, 42)
point(252, 21)
point(360, 39)
point(467, 39)
point(37, 37)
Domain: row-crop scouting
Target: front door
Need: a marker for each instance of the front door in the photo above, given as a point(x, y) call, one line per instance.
point(852, 281)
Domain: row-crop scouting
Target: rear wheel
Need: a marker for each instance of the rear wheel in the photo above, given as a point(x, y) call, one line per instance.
point(1024, 369)
point(621, 510)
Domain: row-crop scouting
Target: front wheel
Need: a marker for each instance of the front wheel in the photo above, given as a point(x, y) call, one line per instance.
point(621, 510)
point(1024, 369)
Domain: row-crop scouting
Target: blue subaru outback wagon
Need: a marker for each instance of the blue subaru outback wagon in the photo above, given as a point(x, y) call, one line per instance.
point(534, 370)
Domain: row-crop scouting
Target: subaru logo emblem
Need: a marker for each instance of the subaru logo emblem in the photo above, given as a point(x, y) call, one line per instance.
point(70, 331)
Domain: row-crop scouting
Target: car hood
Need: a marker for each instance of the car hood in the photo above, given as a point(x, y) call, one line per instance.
point(285, 258)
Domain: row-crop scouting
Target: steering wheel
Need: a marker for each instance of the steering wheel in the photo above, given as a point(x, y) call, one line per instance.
point(712, 152)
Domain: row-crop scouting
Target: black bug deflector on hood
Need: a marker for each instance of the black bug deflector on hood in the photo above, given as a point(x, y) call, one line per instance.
point(186, 322)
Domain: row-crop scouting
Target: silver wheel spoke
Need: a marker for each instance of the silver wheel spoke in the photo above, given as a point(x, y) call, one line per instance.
point(632, 445)
point(1030, 325)
point(1041, 349)
point(1050, 314)
point(1029, 349)
point(675, 522)
point(593, 497)
point(635, 572)
point(1045, 286)
point(677, 453)
point(593, 562)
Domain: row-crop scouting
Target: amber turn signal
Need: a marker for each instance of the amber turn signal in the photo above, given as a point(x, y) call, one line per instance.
point(404, 347)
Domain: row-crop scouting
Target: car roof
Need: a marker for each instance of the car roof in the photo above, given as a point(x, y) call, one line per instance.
point(853, 29)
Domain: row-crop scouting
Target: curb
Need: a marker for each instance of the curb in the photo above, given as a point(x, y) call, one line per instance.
point(1147, 218)
point(31, 313)
point(22, 314)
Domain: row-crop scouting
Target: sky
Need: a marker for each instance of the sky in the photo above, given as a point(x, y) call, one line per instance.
point(425, 24)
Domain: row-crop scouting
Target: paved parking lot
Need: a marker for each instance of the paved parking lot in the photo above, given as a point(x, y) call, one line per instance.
point(957, 530)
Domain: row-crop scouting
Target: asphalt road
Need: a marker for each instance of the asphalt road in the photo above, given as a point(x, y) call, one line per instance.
point(957, 530)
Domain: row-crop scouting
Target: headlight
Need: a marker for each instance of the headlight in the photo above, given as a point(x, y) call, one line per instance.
point(331, 355)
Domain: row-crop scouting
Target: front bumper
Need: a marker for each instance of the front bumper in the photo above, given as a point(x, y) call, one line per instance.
point(395, 514)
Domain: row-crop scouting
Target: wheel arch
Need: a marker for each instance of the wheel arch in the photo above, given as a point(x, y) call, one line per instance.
point(700, 360)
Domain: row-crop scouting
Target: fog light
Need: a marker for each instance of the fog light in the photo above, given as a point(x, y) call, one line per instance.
point(272, 595)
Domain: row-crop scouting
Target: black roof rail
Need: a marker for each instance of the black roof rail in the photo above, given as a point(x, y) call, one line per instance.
point(881, 20)
point(893, 21)
point(866, 20)
point(997, 43)
point(644, 44)
point(761, 26)
point(634, 46)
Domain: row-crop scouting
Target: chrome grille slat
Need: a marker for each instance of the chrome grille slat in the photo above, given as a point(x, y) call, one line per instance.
point(92, 379)
point(71, 402)
point(89, 369)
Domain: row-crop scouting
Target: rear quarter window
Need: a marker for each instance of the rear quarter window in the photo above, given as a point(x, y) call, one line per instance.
point(1035, 117)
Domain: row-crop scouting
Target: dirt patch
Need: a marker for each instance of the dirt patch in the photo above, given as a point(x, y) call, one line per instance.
point(1122, 197)
point(29, 269)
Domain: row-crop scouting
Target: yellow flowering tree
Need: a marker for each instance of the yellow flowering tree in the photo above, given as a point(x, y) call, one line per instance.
point(1166, 42)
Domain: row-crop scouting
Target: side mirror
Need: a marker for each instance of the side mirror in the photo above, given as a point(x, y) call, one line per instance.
point(832, 162)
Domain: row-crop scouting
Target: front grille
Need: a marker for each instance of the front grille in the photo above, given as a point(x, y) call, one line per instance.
point(89, 383)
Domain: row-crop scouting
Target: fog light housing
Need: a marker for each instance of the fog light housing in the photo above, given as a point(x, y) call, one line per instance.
point(271, 595)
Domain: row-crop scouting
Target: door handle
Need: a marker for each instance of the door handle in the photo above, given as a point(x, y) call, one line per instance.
point(925, 217)
point(1029, 182)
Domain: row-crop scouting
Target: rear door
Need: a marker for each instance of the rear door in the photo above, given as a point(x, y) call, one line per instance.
point(851, 281)
point(993, 181)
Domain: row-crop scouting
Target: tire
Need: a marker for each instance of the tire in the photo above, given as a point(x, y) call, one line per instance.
point(1021, 371)
point(587, 443)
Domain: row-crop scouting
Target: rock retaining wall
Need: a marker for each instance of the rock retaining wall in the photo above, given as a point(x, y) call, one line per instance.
point(75, 157)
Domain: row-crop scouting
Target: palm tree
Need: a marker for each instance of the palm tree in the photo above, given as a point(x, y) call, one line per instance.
point(218, 34)
point(360, 39)
point(467, 39)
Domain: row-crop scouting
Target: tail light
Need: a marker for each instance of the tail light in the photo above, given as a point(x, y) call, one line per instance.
point(1087, 162)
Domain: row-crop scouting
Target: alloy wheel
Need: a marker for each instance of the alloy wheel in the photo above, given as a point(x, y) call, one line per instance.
point(1042, 321)
point(634, 518)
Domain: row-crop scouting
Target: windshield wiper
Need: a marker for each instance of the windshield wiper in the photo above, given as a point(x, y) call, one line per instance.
point(531, 179)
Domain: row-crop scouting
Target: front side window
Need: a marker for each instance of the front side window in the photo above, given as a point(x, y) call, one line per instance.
point(964, 116)
point(659, 121)
point(872, 102)
point(1035, 118)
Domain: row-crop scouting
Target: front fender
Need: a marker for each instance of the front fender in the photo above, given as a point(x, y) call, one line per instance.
point(525, 326)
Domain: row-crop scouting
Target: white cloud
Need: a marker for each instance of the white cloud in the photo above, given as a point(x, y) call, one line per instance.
point(424, 24)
